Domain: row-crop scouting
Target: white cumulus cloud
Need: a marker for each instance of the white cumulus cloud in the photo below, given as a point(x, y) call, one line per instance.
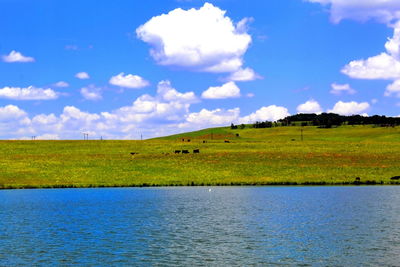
point(382, 66)
point(168, 93)
point(11, 112)
point(349, 108)
point(166, 112)
point(393, 89)
point(269, 113)
point(82, 75)
point(384, 11)
point(28, 93)
point(203, 39)
point(210, 118)
point(128, 81)
point(242, 75)
point(386, 65)
point(227, 90)
point(338, 89)
point(48, 137)
point(91, 93)
point(311, 106)
point(15, 56)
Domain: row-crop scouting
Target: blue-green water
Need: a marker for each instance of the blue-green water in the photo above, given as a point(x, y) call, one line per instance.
point(350, 226)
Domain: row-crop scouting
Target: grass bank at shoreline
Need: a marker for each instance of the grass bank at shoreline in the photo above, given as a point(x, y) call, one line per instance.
point(273, 156)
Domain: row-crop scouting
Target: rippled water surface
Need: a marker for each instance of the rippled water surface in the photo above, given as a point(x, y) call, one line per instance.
point(350, 226)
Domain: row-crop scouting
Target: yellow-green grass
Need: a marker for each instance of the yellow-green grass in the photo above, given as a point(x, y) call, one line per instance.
point(256, 157)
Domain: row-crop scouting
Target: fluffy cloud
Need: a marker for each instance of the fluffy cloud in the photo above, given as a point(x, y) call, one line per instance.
point(386, 65)
point(227, 90)
point(43, 119)
point(166, 112)
point(201, 39)
point(393, 89)
point(383, 66)
point(338, 89)
point(311, 106)
point(28, 93)
point(15, 56)
point(48, 137)
point(61, 84)
point(167, 106)
point(11, 112)
point(207, 118)
point(349, 108)
point(91, 93)
point(168, 93)
point(270, 113)
point(128, 81)
point(385, 11)
point(150, 115)
point(82, 75)
point(242, 75)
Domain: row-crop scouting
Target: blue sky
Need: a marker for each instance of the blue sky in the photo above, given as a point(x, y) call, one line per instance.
point(118, 69)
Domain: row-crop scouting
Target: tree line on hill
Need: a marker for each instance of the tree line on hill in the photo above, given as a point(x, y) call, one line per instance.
point(326, 120)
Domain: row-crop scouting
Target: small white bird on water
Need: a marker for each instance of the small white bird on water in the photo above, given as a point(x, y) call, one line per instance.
point(209, 189)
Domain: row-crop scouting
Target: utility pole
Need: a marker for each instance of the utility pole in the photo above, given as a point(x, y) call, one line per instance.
point(141, 137)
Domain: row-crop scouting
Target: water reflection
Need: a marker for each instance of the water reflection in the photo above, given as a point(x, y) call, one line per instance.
point(186, 226)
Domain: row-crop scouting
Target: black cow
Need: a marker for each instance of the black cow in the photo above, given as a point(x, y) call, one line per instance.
point(196, 151)
point(185, 151)
point(134, 153)
point(395, 178)
point(177, 151)
point(204, 141)
point(226, 141)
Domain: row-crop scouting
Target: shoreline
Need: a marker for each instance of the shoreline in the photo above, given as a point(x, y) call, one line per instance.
point(272, 184)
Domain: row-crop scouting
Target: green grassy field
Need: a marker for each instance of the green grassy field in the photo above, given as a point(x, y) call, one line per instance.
point(256, 157)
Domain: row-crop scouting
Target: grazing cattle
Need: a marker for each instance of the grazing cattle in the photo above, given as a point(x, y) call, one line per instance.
point(134, 153)
point(237, 135)
point(204, 141)
point(185, 151)
point(183, 139)
point(188, 140)
point(196, 151)
point(226, 141)
point(395, 178)
point(177, 151)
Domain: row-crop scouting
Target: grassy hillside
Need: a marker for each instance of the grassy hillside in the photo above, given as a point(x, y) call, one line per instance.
point(255, 157)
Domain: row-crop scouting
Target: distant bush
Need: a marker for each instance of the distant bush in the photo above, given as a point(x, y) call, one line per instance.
point(329, 120)
point(265, 124)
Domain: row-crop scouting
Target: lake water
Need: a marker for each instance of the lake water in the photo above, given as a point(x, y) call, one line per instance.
point(350, 226)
